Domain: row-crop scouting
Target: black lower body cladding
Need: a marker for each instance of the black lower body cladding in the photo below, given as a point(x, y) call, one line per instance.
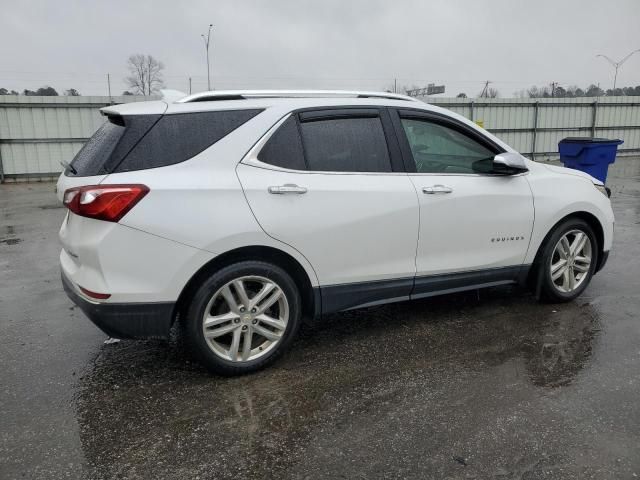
point(125, 320)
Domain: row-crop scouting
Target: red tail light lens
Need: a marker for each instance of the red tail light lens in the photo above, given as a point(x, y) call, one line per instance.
point(104, 202)
point(97, 296)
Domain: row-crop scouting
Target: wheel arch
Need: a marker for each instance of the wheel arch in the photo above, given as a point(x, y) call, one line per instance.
point(310, 296)
point(591, 220)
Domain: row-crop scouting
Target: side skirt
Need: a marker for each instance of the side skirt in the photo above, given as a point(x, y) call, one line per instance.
point(336, 298)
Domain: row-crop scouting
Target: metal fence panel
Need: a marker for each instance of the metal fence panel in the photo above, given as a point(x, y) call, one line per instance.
point(36, 133)
point(534, 126)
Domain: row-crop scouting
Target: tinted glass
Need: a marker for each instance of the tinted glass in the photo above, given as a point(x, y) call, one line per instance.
point(111, 143)
point(440, 149)
point(92, 157)
point(346, 145)
point(178, 137)
point(136, 128)
point(284, 147)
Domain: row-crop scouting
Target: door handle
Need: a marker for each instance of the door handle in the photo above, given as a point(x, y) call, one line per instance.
point(433, 189)
point(287, 188)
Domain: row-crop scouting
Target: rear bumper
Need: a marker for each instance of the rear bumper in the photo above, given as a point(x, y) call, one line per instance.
point(125, 320)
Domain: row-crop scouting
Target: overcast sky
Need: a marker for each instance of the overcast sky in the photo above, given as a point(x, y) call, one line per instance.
point(321, 44)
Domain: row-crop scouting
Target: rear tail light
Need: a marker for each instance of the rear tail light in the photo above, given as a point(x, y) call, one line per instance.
point(104, 202)
point(97, 296)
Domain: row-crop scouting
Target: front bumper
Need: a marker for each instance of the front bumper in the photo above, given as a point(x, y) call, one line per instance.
point(125, 320)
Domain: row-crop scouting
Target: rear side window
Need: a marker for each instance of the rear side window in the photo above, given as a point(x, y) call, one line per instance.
point(284, 147)
point(178, 137)
point(346, 145)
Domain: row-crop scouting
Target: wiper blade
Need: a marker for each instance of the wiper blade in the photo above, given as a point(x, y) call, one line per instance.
point(68, 166)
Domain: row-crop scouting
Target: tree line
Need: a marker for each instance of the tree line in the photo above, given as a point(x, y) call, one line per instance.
point(145, 78)
point(557, 91)
point(45, 91)
point(552, 90)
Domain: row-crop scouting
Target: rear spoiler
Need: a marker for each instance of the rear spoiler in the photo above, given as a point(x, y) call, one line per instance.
point(156, 107)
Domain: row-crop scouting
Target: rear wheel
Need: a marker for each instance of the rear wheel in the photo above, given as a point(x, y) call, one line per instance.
point(568, 261)
point(243, 317)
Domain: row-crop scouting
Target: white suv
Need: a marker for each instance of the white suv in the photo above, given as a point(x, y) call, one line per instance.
point(242, 212)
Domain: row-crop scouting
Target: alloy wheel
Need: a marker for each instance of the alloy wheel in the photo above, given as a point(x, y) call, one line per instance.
point(245, 319)
point(571, 261)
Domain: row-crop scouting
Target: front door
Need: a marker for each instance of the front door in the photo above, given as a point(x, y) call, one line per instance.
point(475, 226)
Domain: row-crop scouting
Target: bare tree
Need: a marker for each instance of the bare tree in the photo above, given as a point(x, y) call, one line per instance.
point(146, 74)
point(539, 92)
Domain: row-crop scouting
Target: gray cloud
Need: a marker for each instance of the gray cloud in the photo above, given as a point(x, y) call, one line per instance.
point(321, 44)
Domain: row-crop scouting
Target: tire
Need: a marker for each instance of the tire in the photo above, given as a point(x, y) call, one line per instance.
point(270, 331)
point(576, 273)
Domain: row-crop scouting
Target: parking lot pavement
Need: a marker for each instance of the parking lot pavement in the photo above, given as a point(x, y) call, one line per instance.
point(485, 384)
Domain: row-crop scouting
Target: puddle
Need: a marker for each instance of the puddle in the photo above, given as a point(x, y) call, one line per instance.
point(9, 238)
point(11, 241)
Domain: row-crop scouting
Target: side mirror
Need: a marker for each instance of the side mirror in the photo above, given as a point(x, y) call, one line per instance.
point(509, 163)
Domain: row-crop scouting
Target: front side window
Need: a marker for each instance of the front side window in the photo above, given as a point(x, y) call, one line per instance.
point(349, 144)
point(438, 148)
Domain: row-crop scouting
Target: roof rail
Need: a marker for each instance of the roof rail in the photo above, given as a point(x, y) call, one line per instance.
point(220, 95)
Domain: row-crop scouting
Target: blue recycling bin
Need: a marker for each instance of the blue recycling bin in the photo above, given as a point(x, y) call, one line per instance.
point(589, 155)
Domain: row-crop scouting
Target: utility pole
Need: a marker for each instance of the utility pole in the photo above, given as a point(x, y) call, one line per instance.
point(554, 85)
point(189, 85)
point(206, 46)
point(617, 65)
point(395, 85)
point(109, 88)
point(485, 90)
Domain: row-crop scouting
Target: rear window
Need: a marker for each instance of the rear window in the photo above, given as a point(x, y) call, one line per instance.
point(137, 142)
point(284, 148)
point(346, 145)
point(98, 149)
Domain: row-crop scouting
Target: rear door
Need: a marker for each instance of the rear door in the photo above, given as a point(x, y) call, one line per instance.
point(330, 183)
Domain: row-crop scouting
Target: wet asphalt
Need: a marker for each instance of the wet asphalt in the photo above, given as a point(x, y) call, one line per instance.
point(487, 384)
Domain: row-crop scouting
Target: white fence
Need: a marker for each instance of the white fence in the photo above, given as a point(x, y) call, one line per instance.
point(36, 133)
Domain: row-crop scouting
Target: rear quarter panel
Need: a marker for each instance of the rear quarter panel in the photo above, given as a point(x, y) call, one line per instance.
point(200, 202)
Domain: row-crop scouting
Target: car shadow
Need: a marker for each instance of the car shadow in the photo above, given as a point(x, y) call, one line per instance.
point(144, 400)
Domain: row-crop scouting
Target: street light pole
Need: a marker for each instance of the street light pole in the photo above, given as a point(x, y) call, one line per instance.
point(617, 65)
point(206, 46)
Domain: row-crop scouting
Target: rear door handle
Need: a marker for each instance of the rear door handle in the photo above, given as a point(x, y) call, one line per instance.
point(287, 188)
point(434, 189)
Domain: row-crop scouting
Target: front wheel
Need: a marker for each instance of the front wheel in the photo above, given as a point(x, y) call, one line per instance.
point(568, 261)
point(243, 317)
